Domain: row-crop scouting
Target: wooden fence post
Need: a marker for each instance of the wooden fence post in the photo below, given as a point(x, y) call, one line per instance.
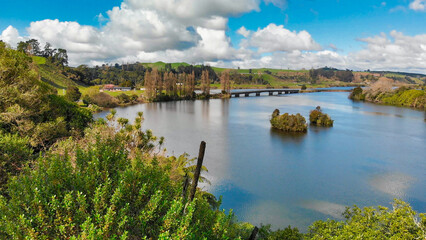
point(254, 233)
point(197, 170)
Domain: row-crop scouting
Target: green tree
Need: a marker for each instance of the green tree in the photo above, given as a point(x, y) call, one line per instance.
point(73, 94)
point(400, 222)
point(288, 123)
point(318, 118)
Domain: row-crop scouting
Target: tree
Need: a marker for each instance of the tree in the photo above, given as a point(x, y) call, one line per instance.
point(48, 51)
point(73, 93)
point(33, 47)
point(313, 74)
point(225, 83)
point(61, 57)
point(345, 76)
point(205, 83)
point(318, 118)
point(22, 47)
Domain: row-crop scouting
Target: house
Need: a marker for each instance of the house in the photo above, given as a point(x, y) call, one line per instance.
point(112, 87)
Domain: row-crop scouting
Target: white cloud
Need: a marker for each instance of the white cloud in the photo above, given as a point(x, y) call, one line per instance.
point(244, 32)
point(276, 38)
point(418, 5)
point(399, 52)
point(278, 3)
point(11, 36)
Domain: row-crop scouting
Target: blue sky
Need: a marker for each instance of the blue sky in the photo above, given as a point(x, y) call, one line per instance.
point(335, 25)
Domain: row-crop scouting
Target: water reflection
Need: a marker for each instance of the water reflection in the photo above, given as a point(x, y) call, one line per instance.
point(372, 154)
point(287, 137)
point(394, 184)
point(328, 208)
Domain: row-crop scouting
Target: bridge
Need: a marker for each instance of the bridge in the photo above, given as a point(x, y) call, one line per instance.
point(269, 91)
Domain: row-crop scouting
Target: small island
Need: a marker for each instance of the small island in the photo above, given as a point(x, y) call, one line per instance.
point(288, 122)
point(318, 118)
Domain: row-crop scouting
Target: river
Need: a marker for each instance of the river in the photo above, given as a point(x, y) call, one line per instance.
point(373, 154)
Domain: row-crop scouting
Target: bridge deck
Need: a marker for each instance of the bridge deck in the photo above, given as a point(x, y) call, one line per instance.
point(258, 92)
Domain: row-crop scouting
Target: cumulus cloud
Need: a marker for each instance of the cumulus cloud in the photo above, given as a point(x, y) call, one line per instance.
point(397, 52)
point(418, 5)
point(277, 38)
point(11, 36)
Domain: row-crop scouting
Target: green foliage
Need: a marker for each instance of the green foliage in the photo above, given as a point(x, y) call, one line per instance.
point(107, 188)
point(357, 94)
point(303, 87)
point(124, 98)
point(402, 96)
point(73, 94)
point(373, 223)
point(345, 76)
point(102, 99)
point(318, 118)
point(406, 97)
point(30, 107)
point(14, 154)
point(288, 123)
point(288, 233)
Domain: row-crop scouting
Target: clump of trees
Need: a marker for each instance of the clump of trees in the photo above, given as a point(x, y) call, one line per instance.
point(288, 122)
point(357, 94)
point(32, 47)
point(163, 86)
point(318, 118)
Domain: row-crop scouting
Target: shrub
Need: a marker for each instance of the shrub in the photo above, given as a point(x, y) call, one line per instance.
point(98, 188)
point(123, 98)
point(318, 118)
point(357, 94)
point(73, 94)
point(303, 87)
point(288, 123)
point(15, 152)
point(373, 223)
point(104, 100)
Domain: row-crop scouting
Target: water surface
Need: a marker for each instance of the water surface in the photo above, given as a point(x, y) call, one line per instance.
point(373, 154)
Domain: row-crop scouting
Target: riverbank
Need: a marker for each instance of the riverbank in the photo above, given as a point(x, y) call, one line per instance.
point(400, 97)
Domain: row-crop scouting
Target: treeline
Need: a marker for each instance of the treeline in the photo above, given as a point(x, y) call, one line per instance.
point(132, 75)
point(32, 47)
point(340, 75)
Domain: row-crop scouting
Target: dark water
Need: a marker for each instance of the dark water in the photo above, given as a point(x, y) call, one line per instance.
point(372, 155)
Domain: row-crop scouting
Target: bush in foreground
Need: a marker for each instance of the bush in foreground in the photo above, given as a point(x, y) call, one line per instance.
point(288, 123)
point(318, 118)
point(401, 222)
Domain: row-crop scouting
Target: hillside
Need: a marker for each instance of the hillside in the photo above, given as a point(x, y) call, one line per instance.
point(54, 75)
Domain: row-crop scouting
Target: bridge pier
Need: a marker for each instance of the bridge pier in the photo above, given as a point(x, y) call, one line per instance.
point(279, 93)
point(258, 94)
point(271, 93)
point(247, 94)
point(237, 95)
